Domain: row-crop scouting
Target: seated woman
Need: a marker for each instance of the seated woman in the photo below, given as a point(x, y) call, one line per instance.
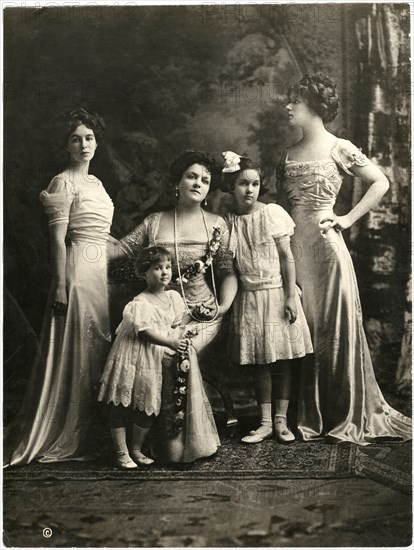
point(203, 274)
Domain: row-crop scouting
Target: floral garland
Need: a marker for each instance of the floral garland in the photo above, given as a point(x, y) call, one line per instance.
point(181, 383)
point(201, 266)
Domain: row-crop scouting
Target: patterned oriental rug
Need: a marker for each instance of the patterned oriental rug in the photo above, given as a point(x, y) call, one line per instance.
point(386, 463)
point(389, 464)
point(267, 461)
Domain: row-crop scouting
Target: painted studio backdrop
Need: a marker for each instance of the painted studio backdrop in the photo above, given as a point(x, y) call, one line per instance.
point(208, 77)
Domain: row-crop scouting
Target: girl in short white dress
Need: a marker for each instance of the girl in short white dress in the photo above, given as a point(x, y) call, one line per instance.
point(132, 378)
point(268, 325)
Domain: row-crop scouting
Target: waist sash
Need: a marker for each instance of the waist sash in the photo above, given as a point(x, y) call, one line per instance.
point(256, 282)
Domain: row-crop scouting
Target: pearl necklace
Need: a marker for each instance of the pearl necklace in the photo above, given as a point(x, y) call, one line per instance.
point(179, 273)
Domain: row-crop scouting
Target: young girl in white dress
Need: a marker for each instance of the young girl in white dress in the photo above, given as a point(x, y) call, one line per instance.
point(268, 326)
point(132, 378)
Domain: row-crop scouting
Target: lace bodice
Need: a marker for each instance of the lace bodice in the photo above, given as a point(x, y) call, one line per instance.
point(199, 287)
point(315, 184)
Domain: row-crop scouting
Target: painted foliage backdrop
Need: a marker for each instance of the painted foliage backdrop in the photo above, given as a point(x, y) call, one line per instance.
point(170, 78)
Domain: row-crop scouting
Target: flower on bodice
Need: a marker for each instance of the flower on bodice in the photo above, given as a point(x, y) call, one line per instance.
point(200, 266)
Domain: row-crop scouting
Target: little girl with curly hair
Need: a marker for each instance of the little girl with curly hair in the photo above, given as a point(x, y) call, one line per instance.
point(132, 378)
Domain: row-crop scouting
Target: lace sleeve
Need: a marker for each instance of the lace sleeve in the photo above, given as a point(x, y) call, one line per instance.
point(132, 243)
point(347, 155)
point(224, 258)
point(57, 200)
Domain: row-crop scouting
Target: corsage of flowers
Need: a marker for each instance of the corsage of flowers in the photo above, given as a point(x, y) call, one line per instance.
point(181, 383)
point(201, 266)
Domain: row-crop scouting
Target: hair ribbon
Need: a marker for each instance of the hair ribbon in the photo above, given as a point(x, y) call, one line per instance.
point(231, 162)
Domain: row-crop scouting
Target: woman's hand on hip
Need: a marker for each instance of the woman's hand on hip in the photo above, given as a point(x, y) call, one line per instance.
point(338, 223)
point(341, 222)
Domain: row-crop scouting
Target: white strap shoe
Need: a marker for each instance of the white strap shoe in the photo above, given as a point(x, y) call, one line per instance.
point(124, 461)
point(282, 431)
point(257, 436)
point(140, 458)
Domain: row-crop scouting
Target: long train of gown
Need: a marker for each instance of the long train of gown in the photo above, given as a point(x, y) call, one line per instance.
point(339, 397)
point(55, 419)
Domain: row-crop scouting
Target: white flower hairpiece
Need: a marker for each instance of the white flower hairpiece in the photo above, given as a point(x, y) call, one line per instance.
point(231, 162)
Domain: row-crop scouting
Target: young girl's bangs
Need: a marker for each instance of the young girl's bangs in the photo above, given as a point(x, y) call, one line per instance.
point(151, 257)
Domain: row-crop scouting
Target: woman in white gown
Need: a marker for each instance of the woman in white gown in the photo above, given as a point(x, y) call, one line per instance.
point(54, 423)
point(339, 397)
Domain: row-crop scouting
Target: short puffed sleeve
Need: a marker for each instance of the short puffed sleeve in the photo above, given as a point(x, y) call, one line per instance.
point(346, 155)
point(141, 236)
point(277, 221)
point(224, 257)
point(141, 314)
point(57, 200)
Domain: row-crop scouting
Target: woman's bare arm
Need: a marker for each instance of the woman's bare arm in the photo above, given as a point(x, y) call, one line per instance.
point(58, 257)
point(228, 291)
point(378, 186)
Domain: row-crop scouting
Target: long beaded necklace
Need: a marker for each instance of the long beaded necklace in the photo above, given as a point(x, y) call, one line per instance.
point(179, 273)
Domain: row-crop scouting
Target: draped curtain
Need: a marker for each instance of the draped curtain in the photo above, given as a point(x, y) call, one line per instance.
point(381, 242)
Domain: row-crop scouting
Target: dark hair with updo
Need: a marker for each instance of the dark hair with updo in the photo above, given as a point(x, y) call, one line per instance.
point(319, 92)
point(150, 256)
point(190, 157)
point(228, 179)
point(73, 119)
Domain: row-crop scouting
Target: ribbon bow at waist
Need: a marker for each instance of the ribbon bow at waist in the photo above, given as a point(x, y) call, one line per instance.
point(257, 282)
